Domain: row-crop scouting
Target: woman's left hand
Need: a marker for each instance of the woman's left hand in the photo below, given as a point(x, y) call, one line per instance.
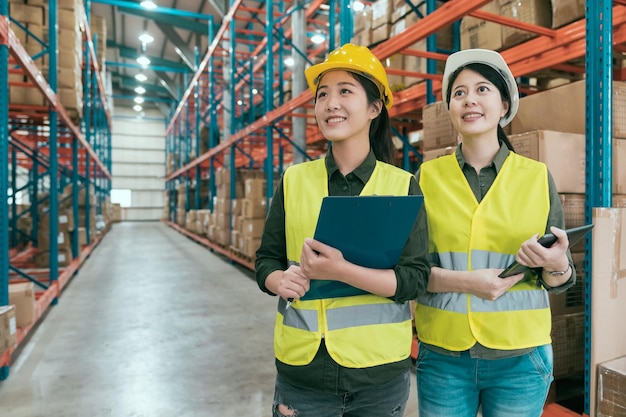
point(534, 255)
point(320, 261)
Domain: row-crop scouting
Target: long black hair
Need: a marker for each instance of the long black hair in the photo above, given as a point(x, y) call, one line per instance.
point(380, 130)
point(495, 78)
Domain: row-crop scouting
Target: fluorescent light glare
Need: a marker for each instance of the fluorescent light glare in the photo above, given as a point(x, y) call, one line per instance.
point(141, 77)
point(140, 90)
point(147, 4)
point(144, 61)
point(146, 38)
point(138, 100)
point(289, 61)
point(357, 6)
point(318, 38)
point(137, 107)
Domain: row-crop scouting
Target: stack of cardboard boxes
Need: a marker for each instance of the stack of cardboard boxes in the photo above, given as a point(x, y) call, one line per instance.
point(8, 328)
point(34, 15)
point(552, 14)
point(31, 15)
point(19, 314)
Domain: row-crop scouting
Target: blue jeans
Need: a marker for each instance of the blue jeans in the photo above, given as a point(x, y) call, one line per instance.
point(387, 400)
point(451, 386)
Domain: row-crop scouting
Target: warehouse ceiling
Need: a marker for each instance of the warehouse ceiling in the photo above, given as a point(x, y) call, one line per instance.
point(180, 31)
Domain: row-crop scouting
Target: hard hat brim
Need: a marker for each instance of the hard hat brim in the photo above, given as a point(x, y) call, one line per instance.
point(487, 57)
point(313, 74)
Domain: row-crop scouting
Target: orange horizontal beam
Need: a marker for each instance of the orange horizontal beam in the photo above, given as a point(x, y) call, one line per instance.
point(508, 21)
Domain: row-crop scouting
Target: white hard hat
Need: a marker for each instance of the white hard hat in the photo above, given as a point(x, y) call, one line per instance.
point(487, 57)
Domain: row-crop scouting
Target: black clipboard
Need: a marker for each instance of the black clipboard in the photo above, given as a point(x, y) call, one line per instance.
point(573, 235)
point(370, 231)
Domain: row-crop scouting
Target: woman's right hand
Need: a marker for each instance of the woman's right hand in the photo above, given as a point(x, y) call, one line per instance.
point(489, 286)
point(291, 283)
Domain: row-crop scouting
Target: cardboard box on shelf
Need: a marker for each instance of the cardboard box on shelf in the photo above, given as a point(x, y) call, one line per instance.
point(22, 296)
point(563, 153)
point(478, 33)
point(611, 389)
point(436, 153)
point(363, 20)
point(362, 37)
point(254, 209)
point(573, 209)
point(8, 328)
point(563, 109)
point(252, 227)
point(64, 258)
point(25, 13)
point(608, 289)
point(536, 12)
point(381, 12)
point(255, 188)
point(568, 344)
point(438, 129)
point(566, 11)
point(573, 300)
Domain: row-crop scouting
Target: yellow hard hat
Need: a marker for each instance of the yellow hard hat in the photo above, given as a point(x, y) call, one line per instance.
point(353, 58)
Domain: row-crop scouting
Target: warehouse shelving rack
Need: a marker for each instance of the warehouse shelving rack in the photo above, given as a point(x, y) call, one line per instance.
point(56, 149)
point(265, 139)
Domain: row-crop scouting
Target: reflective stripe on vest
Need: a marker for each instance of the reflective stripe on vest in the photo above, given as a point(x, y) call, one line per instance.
point(359, 331)
point(465, 235)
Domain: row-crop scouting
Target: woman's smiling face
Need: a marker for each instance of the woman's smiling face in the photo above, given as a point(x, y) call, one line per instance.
point(341, 107)
point(476, 105)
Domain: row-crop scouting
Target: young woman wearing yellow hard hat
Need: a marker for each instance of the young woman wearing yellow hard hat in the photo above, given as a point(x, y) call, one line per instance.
point(347, 355)
point(484, 339)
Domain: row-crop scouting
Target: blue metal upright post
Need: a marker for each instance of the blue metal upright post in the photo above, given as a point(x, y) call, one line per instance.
point(599, 138)
point(4, 157)
point(269, 95)
point(346, 22)
point(196, 108)
point(53, 201)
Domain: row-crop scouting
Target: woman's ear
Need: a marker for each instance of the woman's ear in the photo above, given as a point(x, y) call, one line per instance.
point(505, 108)
point(376, 108)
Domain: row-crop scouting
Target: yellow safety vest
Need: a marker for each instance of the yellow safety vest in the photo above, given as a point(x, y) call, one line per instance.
point(359, 331)
point(466, 235)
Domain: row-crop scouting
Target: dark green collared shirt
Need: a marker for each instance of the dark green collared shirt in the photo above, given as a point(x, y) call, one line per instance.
point(412, 271)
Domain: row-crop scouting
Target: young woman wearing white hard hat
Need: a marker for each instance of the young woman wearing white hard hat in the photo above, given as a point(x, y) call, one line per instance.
point(348, 355)
point(485, 340)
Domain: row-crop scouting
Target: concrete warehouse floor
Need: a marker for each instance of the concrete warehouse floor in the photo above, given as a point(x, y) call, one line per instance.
point(153, 325)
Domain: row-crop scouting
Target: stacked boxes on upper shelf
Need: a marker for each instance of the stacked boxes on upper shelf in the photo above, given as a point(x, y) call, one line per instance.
point(479, 33)
point(70, 57)
point(31, 15)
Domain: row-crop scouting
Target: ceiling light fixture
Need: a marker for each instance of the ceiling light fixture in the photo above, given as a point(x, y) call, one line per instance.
point(141, 77)
point(289, 61)
point(137, 107)
point(144, 61)
point(147, 4)
point(146, 38)
point(140, 90)
point(138, 100)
